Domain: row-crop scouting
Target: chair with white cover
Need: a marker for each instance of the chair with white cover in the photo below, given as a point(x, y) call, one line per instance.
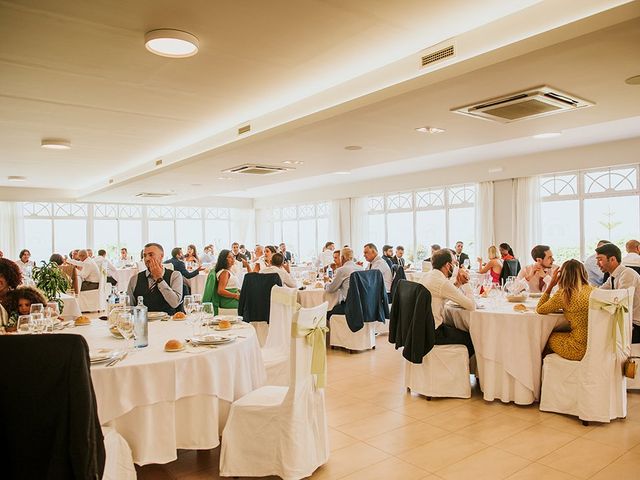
point(94, 300)
point(594, 388)
point(283, 431)
point(275, 353)
point(118, 463)
point(634, 383)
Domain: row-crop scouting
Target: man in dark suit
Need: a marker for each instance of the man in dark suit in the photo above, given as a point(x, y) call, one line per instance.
point(387, 255)
point(285, 253)
point(460, 255)
point(398, 258)
point(178, 264)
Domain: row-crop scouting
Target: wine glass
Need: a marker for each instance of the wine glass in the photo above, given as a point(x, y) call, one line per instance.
point(49, 318)
point(197, 298)
point(22, 326)
point(124, 324)
point(124, 300)
point(36, 308)
point(466, 264)
point(36, 324)
point(196, 319)
point(54, 308)
point(207, 313)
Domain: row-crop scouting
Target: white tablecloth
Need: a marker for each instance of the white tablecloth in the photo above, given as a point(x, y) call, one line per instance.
point(160, 401)
point(123, 277)
point(196, 284)
point(71, 308)
point(508, 347)
point(414, 276)
point(312, 297)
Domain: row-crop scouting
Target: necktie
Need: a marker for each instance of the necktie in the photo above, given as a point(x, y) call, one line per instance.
point(612, 287)
point(370, 265)
point(541, 284)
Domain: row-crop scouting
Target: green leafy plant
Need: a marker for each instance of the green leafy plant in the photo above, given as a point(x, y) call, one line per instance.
point(52, 281)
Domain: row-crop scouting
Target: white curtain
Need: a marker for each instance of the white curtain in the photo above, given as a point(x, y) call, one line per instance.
point(340, 222)
point(485, 224)
point(11, 229)
point(243, 226)
point(359, 223)
point(526, 217)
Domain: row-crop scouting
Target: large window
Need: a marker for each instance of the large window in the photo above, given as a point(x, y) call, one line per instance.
point(581, 208)
point(62, 227)
point(304, 228)
point(416, 220)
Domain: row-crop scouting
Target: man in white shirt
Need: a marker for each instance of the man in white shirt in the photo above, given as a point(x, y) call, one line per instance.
point(596, 277)
point(609, 257)
point(632, 258)
point(377, 263)
point(326, 257)
point(438, 282)
point(340, 282)
point(105, 264)
point(538, 275)
point(208, 255)
point(88, 271)
point(277, 261)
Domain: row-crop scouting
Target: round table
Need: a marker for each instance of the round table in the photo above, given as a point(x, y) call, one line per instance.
point(312, 297)
point(196, 284)
point(160, 401)
point(508, 346)
point(70, 308)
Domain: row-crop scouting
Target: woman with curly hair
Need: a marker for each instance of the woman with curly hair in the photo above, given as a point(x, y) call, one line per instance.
point(10, 278)
point(21, 299)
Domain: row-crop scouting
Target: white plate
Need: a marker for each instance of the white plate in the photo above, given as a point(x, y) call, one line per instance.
point(156, 316)
point(231, 318)
point(102, 355)
point(535, 295)
point(211, 340)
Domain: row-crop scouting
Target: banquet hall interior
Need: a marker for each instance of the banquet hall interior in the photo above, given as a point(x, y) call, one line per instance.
point(320, 239)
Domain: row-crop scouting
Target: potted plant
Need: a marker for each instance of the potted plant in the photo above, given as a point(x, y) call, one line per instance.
point(52, 281)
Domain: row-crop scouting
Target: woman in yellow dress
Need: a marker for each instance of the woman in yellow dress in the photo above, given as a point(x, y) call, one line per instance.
point(572, 298)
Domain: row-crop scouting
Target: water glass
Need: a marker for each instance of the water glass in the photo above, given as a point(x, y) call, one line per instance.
point(54, 308)
point(36, 324)
point(207, 314)
point(197, 298)
point(189, 304)
point(36, 308)
point(124, 324)
point(22, 325)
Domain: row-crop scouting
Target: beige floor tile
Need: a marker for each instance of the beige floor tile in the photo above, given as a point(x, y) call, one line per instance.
point(619, 433)
point(374, 425)
point(530, 413)
point(535, 442)
point(441, 452)
point(626, 467)
point(338, 439)
point(420, 408)
point(460, 417)
point(353, 412)
point(392, 468)
point(536, 471)
point(406, 438)
point(488, 464)
point(581, 457)
point(348, 460)
point(332, 402)
point(495, 428)
point(567, 424)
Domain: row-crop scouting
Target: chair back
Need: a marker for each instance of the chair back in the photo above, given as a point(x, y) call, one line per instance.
point(255, 296)
point(398, 274)
point(603, 387)
point(636, 268)
point(510, 268)
point(308, 355)
point(366, 299)
point(284, 304)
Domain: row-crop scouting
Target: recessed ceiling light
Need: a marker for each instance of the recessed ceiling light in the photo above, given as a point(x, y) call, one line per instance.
point(633, 80)
point(288, 162)
point(16, 178)
point(224, 178)
point(495, 170)
point(547, 135)
point(298, 162)
point(344, 172)
point(353, 147)
point(171, 43)
point(55, 144)
point(431, 130)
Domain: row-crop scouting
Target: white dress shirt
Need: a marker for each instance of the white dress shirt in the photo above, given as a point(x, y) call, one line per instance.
point(631, 260)
point(441, 290)
point(89, 272)
point(379, 263)
point(207, 258)
point(340, 282)
point(287, 279)
point(534, 278)
point(171, 292)
point(105, 263)
point(625, 277)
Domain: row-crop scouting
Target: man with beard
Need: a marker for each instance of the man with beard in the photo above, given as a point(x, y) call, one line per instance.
point(438, 282)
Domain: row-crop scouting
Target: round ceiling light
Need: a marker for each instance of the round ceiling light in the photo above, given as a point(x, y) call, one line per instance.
point(171, 43)
point(55, 144)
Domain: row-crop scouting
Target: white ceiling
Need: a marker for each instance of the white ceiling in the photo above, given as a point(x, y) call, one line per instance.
point(310, 80)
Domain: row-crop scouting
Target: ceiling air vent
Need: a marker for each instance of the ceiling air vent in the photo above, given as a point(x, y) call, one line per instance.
point(257, 170)
point(153, 195)
point(244, 129)
point(534, 103)
point(436, 56)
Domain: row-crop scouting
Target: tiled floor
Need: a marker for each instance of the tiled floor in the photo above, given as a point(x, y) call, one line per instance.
point(378, 431)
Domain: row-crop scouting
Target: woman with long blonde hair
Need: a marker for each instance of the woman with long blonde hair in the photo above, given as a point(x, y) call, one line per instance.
point(493, 265)
point(572, 298)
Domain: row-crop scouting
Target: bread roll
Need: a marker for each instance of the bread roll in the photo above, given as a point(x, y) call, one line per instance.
point(83, 320)
point(173, 345)
point(520, 307)
point(179, 316)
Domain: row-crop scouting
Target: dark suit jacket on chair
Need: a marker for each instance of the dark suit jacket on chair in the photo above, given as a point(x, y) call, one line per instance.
point(49, 427)
point(255, 296)
point(366, 299)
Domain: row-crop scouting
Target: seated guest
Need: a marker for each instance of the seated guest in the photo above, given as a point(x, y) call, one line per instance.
point(25, 263)
point(124, 257)
point(10, 278)
point(437, 281)
point(460, 255)
point(277, 266)
point(337, 262)
point(632, 258)
point(340, 282)
point(539, 274)
point(88, 271)
point(506, 252)
point(192, 254)
point(160, 288)
point(222, 287)
point(21, 299)
point(208, 255)
point(56, 258)
point(387, 255)
point(286, 254)
point(594, 274)
point(608, 257)
point(265, 261)
point(241, 264)
point(247, 254)
point(398, 258)
point(177, 262)
point(493, 265)
point(326, 257)
point(434, 248)
point(375, 262)
point(90, 252)
point(258, 258)
point(572, 298)
point(105, 264)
